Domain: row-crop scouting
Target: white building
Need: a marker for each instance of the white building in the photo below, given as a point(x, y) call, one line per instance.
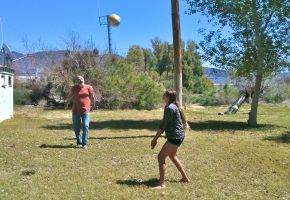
point(6, 93)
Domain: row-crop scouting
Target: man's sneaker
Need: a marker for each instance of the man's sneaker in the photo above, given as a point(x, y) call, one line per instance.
point(85, 146)
point(79, 146)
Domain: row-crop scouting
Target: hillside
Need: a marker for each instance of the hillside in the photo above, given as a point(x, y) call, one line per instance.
point(35, 64)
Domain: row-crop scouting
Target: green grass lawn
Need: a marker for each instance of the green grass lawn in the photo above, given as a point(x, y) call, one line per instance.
point(224, 158)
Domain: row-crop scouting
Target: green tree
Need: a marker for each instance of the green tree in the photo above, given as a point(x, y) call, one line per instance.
point(129, 89)
point(150, 60)
point(83, 63)
point(257, 40)
point(136, 57)
point(193, 71)
point(163, 54)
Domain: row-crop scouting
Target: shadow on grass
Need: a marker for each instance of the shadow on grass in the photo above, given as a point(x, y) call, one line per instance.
point(50, 108)
point(28, 172)
point(113, 124)
point(116, 138)
point(134, 182)
point(224, 125)
point(153, 125)
point(56, 146)
point(283, 138)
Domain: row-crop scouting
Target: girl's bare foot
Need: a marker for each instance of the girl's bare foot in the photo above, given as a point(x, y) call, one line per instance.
point(160, 187)
point(185, 180)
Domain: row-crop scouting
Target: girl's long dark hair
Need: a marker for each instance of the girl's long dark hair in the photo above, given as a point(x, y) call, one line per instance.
point(173, 99)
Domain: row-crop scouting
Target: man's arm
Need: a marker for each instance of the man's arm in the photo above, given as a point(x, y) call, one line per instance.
point(69, 98)
point(93, 98)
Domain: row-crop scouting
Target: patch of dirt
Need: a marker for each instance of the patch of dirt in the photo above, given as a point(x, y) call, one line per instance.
point(195, 106)
point(287, 102)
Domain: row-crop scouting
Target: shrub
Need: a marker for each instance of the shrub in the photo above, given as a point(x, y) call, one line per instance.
point(126, 89)
point(226, 94)
point(277, 93)
point(21, 96)
point(219, 95)
point(206, 98)
point(148, 92)
point(36, 94)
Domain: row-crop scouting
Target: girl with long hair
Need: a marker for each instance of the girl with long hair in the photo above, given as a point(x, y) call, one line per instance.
point(174, 125)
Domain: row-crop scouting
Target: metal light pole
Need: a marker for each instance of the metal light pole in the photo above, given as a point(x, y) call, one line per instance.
point(177, 48)
point(109, 20)
point(109, 34)
point(3, 56)
point(105, 21)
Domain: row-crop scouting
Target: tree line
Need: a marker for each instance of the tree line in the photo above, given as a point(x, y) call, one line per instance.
point(249, 39)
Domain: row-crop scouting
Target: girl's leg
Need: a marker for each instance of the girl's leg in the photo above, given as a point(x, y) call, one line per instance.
point(178, 165)
point(166, 150)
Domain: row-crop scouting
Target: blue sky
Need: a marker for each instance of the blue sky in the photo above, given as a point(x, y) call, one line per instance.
point(50, 21)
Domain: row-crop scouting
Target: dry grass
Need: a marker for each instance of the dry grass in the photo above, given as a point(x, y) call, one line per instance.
point(225, 158)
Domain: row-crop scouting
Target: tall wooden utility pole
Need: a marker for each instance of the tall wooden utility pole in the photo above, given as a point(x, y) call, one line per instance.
point(177, 48)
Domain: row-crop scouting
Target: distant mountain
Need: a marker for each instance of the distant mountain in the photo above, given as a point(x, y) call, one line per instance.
point(281, 78)
point(218, 76)
point(36, 63)
point(16, 54)
point(283, 75)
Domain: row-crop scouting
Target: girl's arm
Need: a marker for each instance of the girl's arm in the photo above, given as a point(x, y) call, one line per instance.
point(154, 141)
point(165, 121)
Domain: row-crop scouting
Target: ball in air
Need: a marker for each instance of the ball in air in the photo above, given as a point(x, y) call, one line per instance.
point(114, 20)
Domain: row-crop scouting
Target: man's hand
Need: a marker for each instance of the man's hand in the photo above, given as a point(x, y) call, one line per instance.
point(66, 106)
point(93, 106)
point(153, 143)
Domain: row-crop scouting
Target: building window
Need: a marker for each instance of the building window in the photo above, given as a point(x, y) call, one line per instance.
point(10, 81)
point(3, 83)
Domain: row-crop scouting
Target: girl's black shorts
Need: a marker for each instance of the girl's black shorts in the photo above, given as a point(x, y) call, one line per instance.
point(176, 142)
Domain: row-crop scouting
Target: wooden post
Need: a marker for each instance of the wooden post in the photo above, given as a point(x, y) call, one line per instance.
point(177, 48)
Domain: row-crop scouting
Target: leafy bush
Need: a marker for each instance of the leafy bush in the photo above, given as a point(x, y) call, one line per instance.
point(220, 95)
point(277, 93)
point(36, 94)
point(21, 96)
point(148, 92)
point(126, 89)
point(134, 81)
point(226, 94)
point(205, 99)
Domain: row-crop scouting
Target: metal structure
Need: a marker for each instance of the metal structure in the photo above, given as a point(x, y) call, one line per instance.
point(106, 21)
point(6, 56)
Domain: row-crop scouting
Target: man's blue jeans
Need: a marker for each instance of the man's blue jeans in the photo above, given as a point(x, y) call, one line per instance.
point(81, 121)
